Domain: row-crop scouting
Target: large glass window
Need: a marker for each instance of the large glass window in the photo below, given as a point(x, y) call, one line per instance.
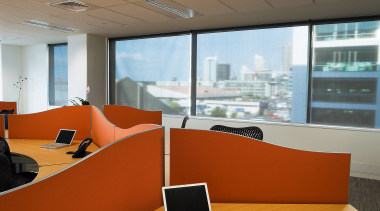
point(249, 74)
point(281, 74)
point(345, 88)
point(58, 75)
point(154, 73)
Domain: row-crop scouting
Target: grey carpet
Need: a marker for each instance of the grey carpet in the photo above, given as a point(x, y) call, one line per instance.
point(364, 194)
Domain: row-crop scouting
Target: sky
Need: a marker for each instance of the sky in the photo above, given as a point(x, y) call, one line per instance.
point(168, 58)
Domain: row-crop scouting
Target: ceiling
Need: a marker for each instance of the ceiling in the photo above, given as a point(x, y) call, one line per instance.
point(123, 18)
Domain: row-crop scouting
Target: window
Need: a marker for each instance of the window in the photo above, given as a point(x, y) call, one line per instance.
point(316, 73)
point(248, 74)
point(345, 88)
point(154, 73)
point(58, 75)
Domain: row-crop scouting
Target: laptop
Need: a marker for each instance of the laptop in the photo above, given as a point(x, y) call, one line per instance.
point(64, 139)
point(186, 197)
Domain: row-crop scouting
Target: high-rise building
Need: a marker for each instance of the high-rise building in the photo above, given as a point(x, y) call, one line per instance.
point(209, 69)
point(287, 54)
point(259, 63)
point(223, 72)
point(345, 75)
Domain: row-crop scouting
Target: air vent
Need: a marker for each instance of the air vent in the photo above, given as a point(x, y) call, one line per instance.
point(50, 26)
point(74, 6)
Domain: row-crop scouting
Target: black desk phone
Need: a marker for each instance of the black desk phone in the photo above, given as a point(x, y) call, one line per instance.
point(81, 152)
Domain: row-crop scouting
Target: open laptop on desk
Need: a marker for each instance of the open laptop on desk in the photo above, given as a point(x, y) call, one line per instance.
point(64, 139)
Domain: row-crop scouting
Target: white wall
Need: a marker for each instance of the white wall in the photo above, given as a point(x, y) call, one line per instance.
point(77, 66)
point(11, 69)
point(36, 69)
point(363, 144)
point(87, 67)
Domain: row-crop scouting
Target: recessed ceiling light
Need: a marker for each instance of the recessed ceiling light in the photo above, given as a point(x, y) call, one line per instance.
point(50, 26)
point(173, 7)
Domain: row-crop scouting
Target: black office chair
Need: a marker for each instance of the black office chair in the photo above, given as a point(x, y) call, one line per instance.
point(6, 112)
point(6, 175)
point(250, 132)
point(11, 178)
point(184, 121)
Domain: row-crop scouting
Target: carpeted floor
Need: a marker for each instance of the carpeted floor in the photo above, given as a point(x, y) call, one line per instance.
point(364, 194)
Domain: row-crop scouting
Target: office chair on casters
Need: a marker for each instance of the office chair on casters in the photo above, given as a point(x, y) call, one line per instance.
point(6, 112)
point(10, 178)
point(184, 121)
point(250, 132)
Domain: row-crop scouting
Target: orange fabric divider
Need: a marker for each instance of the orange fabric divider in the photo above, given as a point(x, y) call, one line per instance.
point(46, 124)
point(126, 117)
point(2, 129)
point(120, 133)
point(125, 175)
point(242, 170)
point(8, 106)
point(103, 131)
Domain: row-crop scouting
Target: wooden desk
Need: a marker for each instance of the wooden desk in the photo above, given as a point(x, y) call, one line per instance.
point(279, 207)
point(49, 160)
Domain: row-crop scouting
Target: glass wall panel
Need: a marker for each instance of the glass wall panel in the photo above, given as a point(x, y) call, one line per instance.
point(250, 74)
point(58, 75)
point(154, 73)
point(345, 88)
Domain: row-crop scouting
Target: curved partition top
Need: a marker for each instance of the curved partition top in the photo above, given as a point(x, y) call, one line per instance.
point(46, 124)
point(8, 106)
point(126, 117)
point(241, 170)
point(102, 131)
point(2, 129)
point(124, 175)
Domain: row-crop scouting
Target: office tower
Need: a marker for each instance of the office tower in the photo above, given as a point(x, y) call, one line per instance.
point(209, 69)
point(223, 72)
point(259, 63)
point(345, 80)
point(287, 54)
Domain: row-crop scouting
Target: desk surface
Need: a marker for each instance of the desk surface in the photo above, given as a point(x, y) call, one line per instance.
point(282, 207)
point(52, 159)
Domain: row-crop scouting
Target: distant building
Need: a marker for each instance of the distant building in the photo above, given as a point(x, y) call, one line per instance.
point(259, 63)
point(287, 57)
point(223, 72)
point(345, 76)
point(209, 69)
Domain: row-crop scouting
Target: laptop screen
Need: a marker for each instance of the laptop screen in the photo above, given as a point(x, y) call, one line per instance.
point(186, 197)
point(65, 136)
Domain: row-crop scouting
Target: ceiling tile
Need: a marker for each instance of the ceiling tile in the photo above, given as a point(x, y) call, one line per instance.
point(38, 7)
point(289, 3)
point(247, 5)
point(206, 7)
point(112, 16)
point(80, 17)
point(139, 12)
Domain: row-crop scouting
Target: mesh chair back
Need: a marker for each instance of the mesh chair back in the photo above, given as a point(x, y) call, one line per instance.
point(250, 132)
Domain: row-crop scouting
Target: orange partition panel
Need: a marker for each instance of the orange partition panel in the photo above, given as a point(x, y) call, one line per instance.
point(120, 133)
point(242, 170)
point(2, 130)
point(126, 117)
point(125, 175)
point(8, 106)
point(46, 124)
point(103, 131)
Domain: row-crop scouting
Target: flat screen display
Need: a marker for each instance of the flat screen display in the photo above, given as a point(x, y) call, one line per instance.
point(186, 197)
point(65, 136)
